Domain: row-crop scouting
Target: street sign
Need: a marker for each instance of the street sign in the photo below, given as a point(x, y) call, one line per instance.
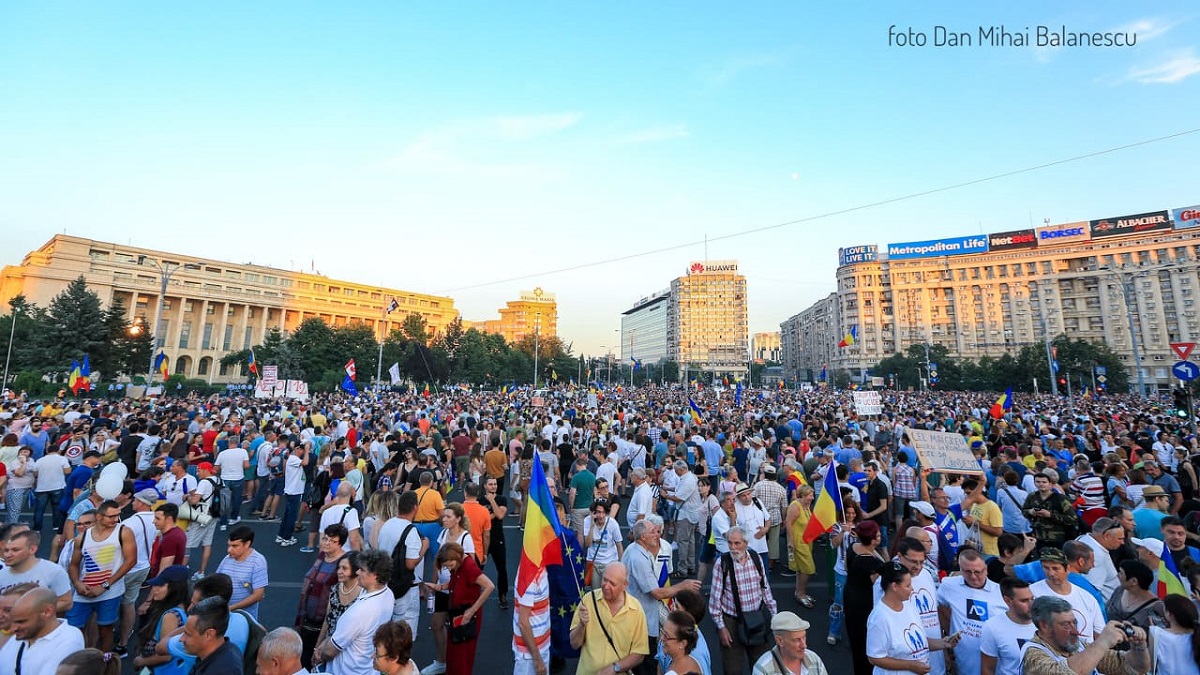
point(1183, 349)
point(1101, 370)
point(1186, 370)
point(1101, 379)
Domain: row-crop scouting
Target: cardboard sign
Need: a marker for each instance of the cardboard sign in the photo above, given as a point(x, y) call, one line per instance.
point(270, 375)
point(868, 403)
point(943, 451)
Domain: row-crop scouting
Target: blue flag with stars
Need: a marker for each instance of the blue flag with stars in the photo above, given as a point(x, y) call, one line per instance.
point(565, 581)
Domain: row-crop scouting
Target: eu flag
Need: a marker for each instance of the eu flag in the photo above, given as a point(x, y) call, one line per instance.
point(565, 581)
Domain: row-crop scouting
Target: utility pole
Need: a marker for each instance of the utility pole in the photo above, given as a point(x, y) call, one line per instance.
point(164, 271)
point(1046, 342)
point(1126, 281)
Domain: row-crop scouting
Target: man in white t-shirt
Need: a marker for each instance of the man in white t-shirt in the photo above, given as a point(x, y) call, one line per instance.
point(339, 510)
point(641, 504)
point(40, 639)
point(52, 471)
point(531, 628)
point(141, 523)
point(607, 471)
point(23, 565)
point(1088, 617)
point(1005, 635)
point(965, 603)
point(350, 649)
point(200, 535)
point(293, 490)
point(408, 606)
point(233, 462)
point(754, 519)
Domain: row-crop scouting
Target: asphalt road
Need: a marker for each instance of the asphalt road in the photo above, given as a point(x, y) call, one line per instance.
point(287, 567)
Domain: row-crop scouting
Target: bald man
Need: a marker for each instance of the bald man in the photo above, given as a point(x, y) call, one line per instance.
point(922, 535)
point(624, 618)
point(40, 638)
point(341, 511)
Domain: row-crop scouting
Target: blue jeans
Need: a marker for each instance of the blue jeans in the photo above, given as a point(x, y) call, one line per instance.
point(291, 510)
point(836, 613)
point(233, 509)
point(39, 509)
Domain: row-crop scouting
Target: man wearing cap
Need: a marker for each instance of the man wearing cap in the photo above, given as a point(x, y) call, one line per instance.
point(1050, 513)
point(771, 495)
point(790, 653)
point(141, 523)
point(198, 534)
point(1057, 582)
point(925, 515)
point(754, 519)
point(1148, 517)
point(1155, 476)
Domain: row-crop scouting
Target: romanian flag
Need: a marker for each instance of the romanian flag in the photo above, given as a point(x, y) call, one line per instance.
point(1169, 581)
point(541, 545)
point(1002, 405)
point(826, 508)
point(253, 364)
point(824, 373)
point(426, 392)
point(850, 338)
point(694, 410)
point(160, 364)
point(74, 377)
point(794, 480)
point(85, 374)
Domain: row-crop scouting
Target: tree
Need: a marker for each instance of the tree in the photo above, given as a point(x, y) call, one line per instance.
point(415, 328)
point(27, 334)
point(75, 327)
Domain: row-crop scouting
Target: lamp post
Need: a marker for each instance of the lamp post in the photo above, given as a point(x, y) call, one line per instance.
point(12, 332)
point(1126, 281)
point(164, 271)
point(537, 325)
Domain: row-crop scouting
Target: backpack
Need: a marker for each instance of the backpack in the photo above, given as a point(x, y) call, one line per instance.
point(257, 633)
point(278, 460)
point(403, 579)
point(215, 503)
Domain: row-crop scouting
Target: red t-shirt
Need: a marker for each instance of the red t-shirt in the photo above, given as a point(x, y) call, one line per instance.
point(462, 445)
point(171, 543)
point(463, 589)
point(209, 440)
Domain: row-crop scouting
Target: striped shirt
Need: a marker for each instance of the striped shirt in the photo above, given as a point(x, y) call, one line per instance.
point(1091, 488)
point(248, 575)
point(905, 482)
point(536, 597)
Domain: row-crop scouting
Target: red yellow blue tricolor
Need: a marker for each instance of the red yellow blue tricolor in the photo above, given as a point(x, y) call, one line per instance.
point(826, 508)
point(540, 546)
point(1002, 404)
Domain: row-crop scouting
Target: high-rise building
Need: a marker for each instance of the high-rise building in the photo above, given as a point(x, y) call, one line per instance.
point(987, 295)
point(210, 307)
point(700, 322)
point(535, 310)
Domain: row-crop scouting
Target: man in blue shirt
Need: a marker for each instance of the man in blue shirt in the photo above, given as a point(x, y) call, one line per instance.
point(36, 438)
point(78, 480)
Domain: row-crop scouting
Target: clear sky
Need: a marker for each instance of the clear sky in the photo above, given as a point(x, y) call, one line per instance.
point(452, 147)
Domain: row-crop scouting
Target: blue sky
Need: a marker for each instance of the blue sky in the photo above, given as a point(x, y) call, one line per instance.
point(450, 147)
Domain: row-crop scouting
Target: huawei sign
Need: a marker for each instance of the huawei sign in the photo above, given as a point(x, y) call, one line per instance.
point(696, 268)
point(712, 266)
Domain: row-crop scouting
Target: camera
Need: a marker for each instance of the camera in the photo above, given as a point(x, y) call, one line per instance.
point(1129, 633)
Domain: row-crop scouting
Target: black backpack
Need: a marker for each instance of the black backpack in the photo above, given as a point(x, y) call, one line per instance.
point(403, 578)
point(214, 506)
point(253, 641)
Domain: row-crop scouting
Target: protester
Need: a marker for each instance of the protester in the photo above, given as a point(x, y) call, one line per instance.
point(167, 612)
point(1005, 634)
point(393, 649)
point(1175, 648)
point(349, 649)
point(679, 636)
point(898, 643)
point(315, 591)
point(798, 514)
point(40, 639)
point(101, 558)
point(1057, 650)
point(967, 601)
point(279, 653)
point(608, 613)
point(22, 565)
point(247, 569)
point(863, 560)
point(468, 590)
point(204, 638)
point(741, 604)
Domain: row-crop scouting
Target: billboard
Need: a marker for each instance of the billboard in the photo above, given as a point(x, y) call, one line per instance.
point(1135, 224)
point(1064, 233)
point(857, 254)
point(938, 247)
point(712, 267)
point(1007, 241)
point(1186, 217)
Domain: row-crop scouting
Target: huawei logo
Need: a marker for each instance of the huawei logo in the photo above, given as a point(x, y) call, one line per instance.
point(696, 268)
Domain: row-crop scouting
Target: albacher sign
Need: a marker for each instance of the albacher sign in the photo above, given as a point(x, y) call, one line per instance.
point(713, 267)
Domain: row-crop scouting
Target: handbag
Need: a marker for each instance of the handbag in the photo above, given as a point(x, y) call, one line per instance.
point(463, 631)
point(750, 628)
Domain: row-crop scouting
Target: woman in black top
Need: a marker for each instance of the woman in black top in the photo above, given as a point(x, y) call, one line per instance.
point(862, 565)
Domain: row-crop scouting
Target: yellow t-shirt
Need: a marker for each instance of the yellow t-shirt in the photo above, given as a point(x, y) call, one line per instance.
point(988, 513)
point(628, 627)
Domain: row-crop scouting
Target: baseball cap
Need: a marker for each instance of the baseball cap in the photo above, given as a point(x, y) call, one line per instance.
point(769, 469)
point(787, 622)
point(1155, 546)
point(1053, 555)
point(205, 466)
point(925, 508)
point(170, 574)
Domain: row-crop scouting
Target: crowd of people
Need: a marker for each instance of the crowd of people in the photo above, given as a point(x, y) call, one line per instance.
point(1071, 548)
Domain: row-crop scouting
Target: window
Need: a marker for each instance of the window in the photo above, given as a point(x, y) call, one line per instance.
point(206, 340)
point(246, 341)
point(228, 341)
point(185, 334)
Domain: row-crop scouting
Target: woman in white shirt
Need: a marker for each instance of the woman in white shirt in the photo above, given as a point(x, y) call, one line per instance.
point(601, 541)
point(1174, 649)
point(899, 644)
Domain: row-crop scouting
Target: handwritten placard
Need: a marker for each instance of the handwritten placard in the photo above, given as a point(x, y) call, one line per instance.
point(943, 451)
point(868, 403)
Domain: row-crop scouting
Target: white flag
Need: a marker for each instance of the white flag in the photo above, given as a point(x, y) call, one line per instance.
point(394, 371)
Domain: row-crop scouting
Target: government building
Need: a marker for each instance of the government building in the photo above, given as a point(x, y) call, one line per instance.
point(535, 311)
point(211, 308)
point(700, 322)
point(987, 295)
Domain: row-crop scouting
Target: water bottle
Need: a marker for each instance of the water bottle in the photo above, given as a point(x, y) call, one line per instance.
point(429, 601)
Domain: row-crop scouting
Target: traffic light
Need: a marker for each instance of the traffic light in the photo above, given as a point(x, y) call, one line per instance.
point(1181, 400)
point(1062, 383)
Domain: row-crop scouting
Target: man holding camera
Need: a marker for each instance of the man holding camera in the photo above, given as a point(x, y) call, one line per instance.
point(1119, 649)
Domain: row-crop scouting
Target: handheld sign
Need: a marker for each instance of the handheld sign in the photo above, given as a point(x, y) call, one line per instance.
point(868, 403)
point(944, 452)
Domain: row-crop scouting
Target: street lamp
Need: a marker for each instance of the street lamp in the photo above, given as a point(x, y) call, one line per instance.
point(537, 325)
point(164, 271)
point(12, 332)
point(1126, 280)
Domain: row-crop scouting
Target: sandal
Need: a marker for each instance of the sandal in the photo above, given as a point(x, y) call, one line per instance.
point(807, 602)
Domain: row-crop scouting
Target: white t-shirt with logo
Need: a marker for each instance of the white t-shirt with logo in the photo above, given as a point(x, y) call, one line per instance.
point(897, 635)
point(1004, 640)
point(924, 601)
point(970, 608)
point(604, 542)
point(1088, 617)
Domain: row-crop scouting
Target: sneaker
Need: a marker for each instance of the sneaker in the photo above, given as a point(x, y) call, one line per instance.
point(787, 572)
point(197, 576)
point(503, 602)
point(278, 539)
point(435, 668)
point(288, 542)
point(831, 640)
point(121, 651)
point(235, 521)
point(307, 549)
point(224, 527)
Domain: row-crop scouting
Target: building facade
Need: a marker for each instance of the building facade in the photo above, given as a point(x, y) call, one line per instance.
point(536, 310)
point(765, 347)
point(211, 308)
point(706, 327)
point(987, 295)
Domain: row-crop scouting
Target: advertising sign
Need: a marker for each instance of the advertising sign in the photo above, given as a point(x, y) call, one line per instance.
point(1135, 224)
point(1008, 241)
point(938, 247)
point(712, 267)
point(1064, 233)
point(1186, 217)
point(942, 451)
point(857, 254)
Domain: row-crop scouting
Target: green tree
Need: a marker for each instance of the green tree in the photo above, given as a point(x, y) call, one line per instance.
point(26, 334)
point(75, 327)
point(415, 328)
